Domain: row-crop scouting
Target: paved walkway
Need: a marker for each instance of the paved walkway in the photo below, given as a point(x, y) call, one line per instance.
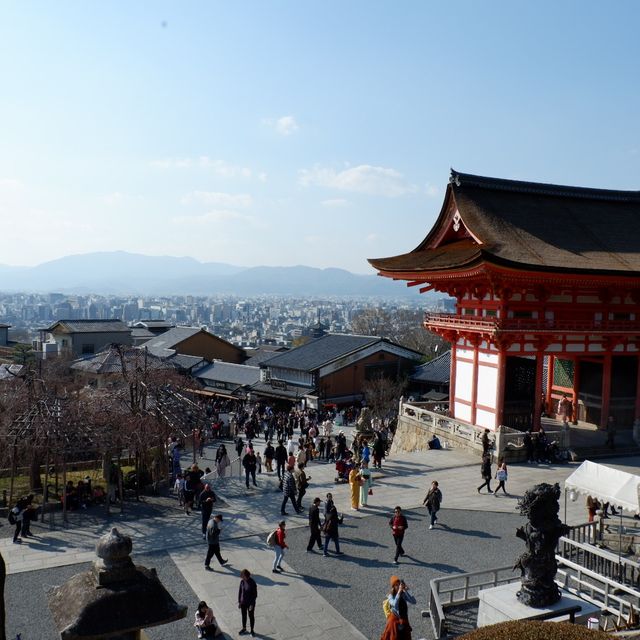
point(249, 515)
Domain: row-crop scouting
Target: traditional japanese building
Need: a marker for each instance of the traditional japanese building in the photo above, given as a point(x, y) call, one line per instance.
point(546, 280)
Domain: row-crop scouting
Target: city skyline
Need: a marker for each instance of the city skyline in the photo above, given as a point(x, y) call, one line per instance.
point(286, 134)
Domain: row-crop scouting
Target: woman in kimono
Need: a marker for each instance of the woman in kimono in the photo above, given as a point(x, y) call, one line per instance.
point(365, 484)
point(354, 483)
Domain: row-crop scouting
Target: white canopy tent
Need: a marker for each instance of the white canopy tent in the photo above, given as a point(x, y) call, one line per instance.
point(607, 484)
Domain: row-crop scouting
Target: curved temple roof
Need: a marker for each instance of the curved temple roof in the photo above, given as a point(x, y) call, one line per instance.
point(527, 225)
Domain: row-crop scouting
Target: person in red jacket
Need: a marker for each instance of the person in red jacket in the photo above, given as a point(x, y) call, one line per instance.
point(279, 547)
point(398, 524)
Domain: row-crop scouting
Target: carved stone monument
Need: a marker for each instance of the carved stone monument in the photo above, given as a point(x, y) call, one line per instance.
point(115, 600)
point(541, 534)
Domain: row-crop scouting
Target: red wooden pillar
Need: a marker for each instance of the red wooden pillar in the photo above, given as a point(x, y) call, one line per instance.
point(606, 390)
point(637, 411)
point(502, 369)
point(452, 380)
point(474, 383)
point(550, 372)
point(537, 410)
point(576, 388)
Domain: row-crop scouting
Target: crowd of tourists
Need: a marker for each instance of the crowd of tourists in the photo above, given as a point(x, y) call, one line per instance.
point(286, 444)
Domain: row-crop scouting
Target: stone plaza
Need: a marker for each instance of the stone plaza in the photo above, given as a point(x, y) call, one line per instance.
point(314, 596)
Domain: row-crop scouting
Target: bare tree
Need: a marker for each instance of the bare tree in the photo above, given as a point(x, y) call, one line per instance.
point(403, 327)
point(382, 395)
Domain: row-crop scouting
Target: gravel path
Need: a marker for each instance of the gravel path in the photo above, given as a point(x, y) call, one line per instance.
point(28, 613)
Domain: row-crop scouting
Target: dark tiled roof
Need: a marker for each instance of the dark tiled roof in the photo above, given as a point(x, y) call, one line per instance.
point(437, 370)
point(154, 324)
point(218, 371)
point(262, 354)
point(109, 360)
point(289, 392)
point(183, 361)
point(137, 332)
point(532, 226)
point(164, 344)
point(90, 326)
point(321, 351)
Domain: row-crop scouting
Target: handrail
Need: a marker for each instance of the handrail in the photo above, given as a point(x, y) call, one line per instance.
point(538, 324)
point(609, 591)
point(606, 563)
point(440, 596)
point(214, 475)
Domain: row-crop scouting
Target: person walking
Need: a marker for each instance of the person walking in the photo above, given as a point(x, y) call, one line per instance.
point(247, 596)
point(279, 546)
point(302, 482)
point(288, 490)
point(315, 528)
point(354, 484)
point(485, 472)
point(222, 461)
point(501, 477)
point(331, 532)
point(269, 455)
point(366, 483)
point(213, 540)
point(433, 500)
point(207, 499)
point(250, 463)
point(281, 458)
point(399, 525)
point(15, 517)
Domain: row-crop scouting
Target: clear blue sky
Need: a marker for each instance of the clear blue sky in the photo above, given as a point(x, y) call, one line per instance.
point(284, 133)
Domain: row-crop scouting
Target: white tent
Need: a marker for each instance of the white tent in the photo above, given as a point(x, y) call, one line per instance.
point(608, 485)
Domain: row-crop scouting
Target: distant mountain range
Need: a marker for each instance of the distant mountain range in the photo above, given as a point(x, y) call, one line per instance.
point(120, 272)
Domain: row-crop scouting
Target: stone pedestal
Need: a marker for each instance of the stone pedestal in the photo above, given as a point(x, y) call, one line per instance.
point(499, 604)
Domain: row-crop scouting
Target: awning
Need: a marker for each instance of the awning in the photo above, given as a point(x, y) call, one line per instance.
point(618, 488)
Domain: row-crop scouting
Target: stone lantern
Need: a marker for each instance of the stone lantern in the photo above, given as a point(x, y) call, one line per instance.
point(114, 600)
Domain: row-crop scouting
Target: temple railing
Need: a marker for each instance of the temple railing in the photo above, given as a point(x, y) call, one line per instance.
point(495, 325)
point(507, 442)
point(611, 595)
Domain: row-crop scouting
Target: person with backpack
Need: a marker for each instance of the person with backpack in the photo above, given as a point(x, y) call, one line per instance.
point(213, 540)
point(279, 545)
point(399, 525)
point(433, 500)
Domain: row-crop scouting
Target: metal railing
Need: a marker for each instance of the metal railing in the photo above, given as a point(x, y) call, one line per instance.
point(234, 469)
point(460, 589)
point(586, 532)
point(601, 561)
point(610, 595)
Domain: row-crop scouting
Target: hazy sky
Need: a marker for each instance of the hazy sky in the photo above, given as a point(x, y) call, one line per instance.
point(297, 132)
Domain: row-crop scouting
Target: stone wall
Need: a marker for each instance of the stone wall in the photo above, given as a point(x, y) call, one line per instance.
point(413, 435)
